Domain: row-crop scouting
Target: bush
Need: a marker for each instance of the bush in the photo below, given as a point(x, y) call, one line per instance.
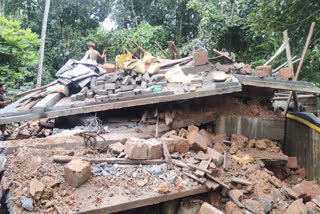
point(18, 54)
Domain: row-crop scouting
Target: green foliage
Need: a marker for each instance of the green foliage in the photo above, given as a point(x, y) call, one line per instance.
point(18, 53)
point(117, 42)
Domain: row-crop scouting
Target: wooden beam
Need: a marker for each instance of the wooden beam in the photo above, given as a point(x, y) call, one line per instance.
point(278, 84)
point(300, 63)
point(36, 89)
point(164, 53)
point(288, 53)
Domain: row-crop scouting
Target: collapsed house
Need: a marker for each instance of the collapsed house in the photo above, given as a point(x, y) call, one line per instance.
point(192, 137)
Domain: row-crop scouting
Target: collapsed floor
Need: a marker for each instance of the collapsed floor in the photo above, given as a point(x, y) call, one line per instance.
point(252, 177)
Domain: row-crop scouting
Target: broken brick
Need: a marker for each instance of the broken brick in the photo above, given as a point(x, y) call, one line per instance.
point(170, 144)
point(136, 148)
point(77, 172)
point(216, 157)
point(192, 128)
point(116, 148)
point(181, 144)
point(297, 207)
point(110, 68)
point(285, 73)
point(155, 150)
point(292, 163)
point(197, 141)
point(200, 57)
point(208, 209)
point(307, 190)
point(232, 208)
point(164, 188)
point(36, 188)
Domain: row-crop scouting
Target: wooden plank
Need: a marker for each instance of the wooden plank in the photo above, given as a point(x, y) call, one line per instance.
point(36, 89)
point(166, 152)
point(288, 53)
point(300, 64)
point(278, 84)
point(194, 177)
point(49, 100)
point(203, 165)
point(140, 201)
point(66, 159)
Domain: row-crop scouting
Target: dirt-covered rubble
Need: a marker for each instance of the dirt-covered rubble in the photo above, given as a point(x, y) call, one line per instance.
point(255, 178)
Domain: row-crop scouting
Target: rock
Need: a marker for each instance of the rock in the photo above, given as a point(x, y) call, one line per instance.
point(155, 150)
point(224, 68)
point(141, 183)
point(200, 57)
point(136, 148)
point(292, 163)
point(116, 148)
point(266, 204)
point(27, 203)
point(188, 206)
point(168, 134)
point(201, 156)
point(240, 140)
point(217, 158)
point(232, 208)
point(307, 190)
point(164, 188)
point(169, 207)
point(263, 71)
point(212, 165)
point(312, 208)
point(251, 143)
point(252, 205)
point(36, 188)
point(261, 144)
point(275, 181)
point(77, 172)
point(285, 73)
point(297, 207)
point(181, 144)
point(47, 194)
point(276, 195)
point(192, 128)
point(170, 143)
point(208, 137)
point(197, 142)
point(183, 133)
point(236, 194)
point(208, 209)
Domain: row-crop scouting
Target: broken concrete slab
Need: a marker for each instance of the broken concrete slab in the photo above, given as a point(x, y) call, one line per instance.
point(77, 172)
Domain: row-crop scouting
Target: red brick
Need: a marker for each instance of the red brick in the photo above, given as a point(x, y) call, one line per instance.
point(208, 209)
point(285, 73)
point(302, 173)
point(232, 208)
point(192, 128)
point(170, 143)
point(224, 68)
point(197, 142)
point(263, 71)
point(77, 172)
point(109, 67)
point(307, 190)
point(181, 144)
point(292, 163)
point(200, 57)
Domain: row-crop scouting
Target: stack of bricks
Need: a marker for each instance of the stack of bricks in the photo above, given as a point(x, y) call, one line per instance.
point(121, 84)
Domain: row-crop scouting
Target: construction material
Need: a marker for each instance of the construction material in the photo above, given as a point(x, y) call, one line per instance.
point(36, 89)
point(300, 64)
point(164, 53)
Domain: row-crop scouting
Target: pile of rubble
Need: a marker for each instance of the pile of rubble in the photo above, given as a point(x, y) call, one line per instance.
point(36, 128)
point(244, 175)
point(120, 84)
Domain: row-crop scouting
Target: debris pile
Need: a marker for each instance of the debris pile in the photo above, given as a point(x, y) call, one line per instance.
point(248, 175)
point(37, 128)
point(120, 84)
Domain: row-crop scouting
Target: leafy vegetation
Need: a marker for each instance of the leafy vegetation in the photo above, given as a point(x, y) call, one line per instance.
point(250, 29)
point(18, 53)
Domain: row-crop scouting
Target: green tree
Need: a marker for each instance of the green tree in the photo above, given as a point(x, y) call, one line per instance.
point(18, 53)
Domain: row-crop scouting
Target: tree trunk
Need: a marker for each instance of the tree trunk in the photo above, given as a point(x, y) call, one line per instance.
point(233, 6)
point(221, 7)
point(43, 40)
point(134, 14)
point(0, 6)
